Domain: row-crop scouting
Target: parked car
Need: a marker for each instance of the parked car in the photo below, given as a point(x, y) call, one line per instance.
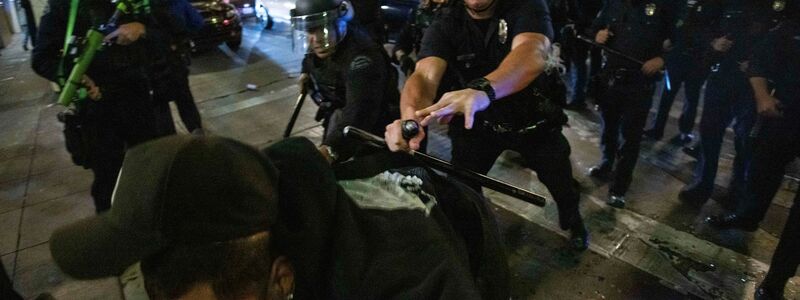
point(222, 24)
point(396, 14)
point(253, 8)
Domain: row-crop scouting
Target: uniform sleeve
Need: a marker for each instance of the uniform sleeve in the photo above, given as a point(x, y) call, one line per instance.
point(365, 78)
point(436, 40)
point(46, 55)
point(764, 55)
point(530, 16)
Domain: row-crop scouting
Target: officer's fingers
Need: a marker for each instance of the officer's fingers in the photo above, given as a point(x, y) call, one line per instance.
point(469, 118)
point(111, 35)
point(425, 112)
point(416, 141)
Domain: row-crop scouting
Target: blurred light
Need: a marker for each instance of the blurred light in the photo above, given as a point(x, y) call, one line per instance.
point(384, 7)
point(246, 5)
point(213, 20)
point(226, 22)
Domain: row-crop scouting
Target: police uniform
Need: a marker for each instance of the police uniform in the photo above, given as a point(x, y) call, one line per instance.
point(178, 21)
point(124, 116)
point(473, 48)
point(776, 144)
point(356, 86)
point(410, 37)
point(729, 97)
point(639, 29)
point(586, 11)
point(687, 66)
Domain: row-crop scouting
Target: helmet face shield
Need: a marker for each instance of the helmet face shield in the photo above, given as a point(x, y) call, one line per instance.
point(317, 33)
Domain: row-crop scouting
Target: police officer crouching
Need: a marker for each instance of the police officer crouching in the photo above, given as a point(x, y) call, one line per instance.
point(637, 29)
point(347, 74)
point(496, 48)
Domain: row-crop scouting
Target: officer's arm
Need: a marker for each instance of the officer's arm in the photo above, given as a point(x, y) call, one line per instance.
point(52, 28)
point(420, 88)
point(364, 83)
point(521, 66)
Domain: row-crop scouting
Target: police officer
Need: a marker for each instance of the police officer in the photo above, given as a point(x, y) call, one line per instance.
point(178, 22)
point(775, 60)
point(585, 13)
point(776, 141)
point(729, 97)
point(496, 48)
point(687, 66)
point(410, 38)
point(119, 111)
point(349, 76)
point(637, 28)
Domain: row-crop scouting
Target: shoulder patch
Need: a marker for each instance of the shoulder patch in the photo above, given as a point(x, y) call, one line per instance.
point(360, 62)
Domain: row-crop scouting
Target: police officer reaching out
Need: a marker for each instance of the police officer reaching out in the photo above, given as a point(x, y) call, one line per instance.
point(637, 28)
point(496, 48)
point(347, 74)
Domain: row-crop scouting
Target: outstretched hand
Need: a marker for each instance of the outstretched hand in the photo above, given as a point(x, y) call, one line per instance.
point(465, 102)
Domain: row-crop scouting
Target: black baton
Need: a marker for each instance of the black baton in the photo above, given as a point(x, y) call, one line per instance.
point(609, 49)
point(295, 114)
point(447, 167)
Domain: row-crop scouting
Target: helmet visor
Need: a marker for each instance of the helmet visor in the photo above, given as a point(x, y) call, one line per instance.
point(315, 32)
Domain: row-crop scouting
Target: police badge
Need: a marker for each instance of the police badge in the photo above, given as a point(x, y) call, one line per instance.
point(502, 31)
point(778, 5)
point(650, 9)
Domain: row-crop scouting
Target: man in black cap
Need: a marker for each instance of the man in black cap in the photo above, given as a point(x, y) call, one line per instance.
point(210, 217)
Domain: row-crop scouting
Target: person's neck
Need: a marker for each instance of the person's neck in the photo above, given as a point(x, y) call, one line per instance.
point(484, 14)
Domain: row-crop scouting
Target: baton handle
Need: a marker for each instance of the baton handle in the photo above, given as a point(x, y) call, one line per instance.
point(609, 49)
point(297, 107)
point(447, 167)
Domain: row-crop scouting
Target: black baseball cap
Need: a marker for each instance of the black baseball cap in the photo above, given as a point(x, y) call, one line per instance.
point(179, 190)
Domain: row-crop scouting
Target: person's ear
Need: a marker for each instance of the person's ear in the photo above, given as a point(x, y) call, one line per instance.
point(282, 278)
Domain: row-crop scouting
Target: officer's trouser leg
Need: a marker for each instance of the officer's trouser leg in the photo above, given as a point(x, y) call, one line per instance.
point(785, 260)
point(165, 125)
point(190, 116)
point(677, 73)
point(692, 86)
point(634, 115)
point(6, 287)
point(126, 121)
point(744, 111)
point(549, 158)
point(777, 144)
point(580, 70)
point(717, 115)
point(611, 117)
point(473, 150)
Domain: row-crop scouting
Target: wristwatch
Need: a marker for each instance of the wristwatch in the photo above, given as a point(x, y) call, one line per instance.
point(482, 84)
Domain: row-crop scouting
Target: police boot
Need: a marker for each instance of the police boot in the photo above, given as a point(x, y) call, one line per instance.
point(731, 221)
point(601, 171)
point(579, 236)
point(762, 293)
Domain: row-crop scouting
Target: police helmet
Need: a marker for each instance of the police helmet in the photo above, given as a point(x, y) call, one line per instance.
point(318, 25)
